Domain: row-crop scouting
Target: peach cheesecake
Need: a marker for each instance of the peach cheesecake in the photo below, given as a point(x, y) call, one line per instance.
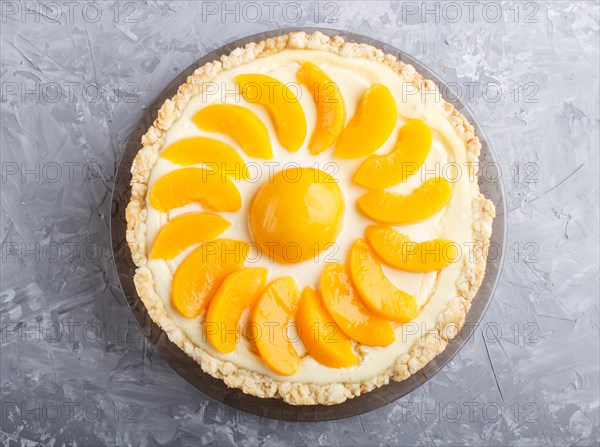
point(306, 219)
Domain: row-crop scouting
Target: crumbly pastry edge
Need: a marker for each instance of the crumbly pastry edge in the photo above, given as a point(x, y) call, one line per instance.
point(450, 321)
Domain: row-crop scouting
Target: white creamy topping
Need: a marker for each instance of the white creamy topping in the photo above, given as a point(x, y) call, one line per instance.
point(354, 76)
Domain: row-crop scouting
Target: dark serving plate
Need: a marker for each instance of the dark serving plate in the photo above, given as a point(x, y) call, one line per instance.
point(490, 185)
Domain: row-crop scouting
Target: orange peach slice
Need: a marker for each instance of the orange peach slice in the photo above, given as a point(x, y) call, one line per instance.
point(377, 292)
point(397, 209)
point(186, 185)
point(320, 334)
point(201, 273)
point(238, 291)
point(399, 251)
point(185, 230)
point(347, 310)
point(331, 109)
point(213, 153)
point(281, 103)
point(412, 148)
point(371, 125)
point(269, 320)
point(238, 122)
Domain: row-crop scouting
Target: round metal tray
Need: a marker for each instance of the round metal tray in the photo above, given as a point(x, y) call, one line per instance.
point(274, 408)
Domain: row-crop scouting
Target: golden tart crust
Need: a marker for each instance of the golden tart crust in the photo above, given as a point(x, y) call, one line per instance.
point(449, 322)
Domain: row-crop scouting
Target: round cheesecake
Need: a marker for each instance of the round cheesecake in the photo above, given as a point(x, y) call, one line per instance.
point(306, 219)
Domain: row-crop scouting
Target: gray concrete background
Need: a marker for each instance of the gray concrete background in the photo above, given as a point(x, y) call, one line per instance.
point(75, 79)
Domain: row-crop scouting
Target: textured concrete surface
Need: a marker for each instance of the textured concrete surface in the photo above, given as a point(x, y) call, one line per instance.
point(75, 79)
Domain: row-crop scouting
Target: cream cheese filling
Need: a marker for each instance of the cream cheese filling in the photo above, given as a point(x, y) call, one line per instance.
point(446, 158)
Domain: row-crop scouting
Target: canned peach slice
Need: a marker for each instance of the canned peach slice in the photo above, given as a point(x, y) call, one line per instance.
point(371, 125)
point(238, 291)
point(331, 109)
point(240, 123)
point(269, 321)
point(377, 292)
point(411, 150)
point(201, 273)
point(401, 209)
point(320, 334)
point(346, 308)
point(281, 103)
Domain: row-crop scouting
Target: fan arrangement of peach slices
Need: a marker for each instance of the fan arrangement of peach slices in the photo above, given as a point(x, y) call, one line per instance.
point(356, 302)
